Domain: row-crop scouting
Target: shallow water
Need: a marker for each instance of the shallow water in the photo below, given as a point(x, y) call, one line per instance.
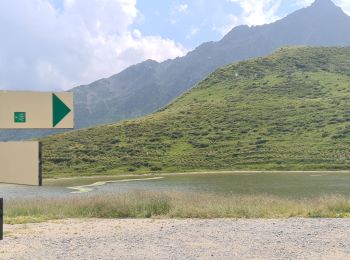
point(283, 184)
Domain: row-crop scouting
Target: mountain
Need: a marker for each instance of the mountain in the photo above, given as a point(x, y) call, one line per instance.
point(286, 111)
point(148, 86)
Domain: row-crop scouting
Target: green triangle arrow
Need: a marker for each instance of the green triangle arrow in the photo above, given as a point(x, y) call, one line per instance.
point(60, 110)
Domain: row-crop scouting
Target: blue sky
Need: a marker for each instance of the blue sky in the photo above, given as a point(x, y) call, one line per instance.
point(194, 22)
point(59, 44)
point(188, 22)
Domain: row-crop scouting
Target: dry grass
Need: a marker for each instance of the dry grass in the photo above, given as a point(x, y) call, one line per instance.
point(175, 205)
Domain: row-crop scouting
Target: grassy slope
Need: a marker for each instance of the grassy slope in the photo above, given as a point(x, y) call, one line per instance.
point(287, 111)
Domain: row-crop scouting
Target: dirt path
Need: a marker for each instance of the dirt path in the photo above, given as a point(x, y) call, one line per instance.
point(179, 239)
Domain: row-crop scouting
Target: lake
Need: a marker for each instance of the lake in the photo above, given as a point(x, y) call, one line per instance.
point(294, 185)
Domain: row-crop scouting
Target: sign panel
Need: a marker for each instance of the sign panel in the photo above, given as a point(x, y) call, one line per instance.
point(23, 110)
point(20, 163)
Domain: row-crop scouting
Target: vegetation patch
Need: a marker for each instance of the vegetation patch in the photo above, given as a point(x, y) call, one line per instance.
point(143, 204)
point(287, 111)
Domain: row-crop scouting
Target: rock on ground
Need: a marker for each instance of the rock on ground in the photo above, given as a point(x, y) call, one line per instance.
point(179, 239)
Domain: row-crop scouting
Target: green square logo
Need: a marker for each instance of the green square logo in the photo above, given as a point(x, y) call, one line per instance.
point(20, 117)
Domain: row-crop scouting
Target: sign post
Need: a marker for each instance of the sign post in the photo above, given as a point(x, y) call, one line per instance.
point(1, 218)
point(20, 162)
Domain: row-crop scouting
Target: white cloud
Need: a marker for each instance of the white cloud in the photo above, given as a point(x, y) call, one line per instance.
point(193, 31)
point(177, 11)
point(182, 8)
point(258, 12)
point(230, 22)
point(254, 12)
point(303, 3)
point(344, 4)
point(42, 48)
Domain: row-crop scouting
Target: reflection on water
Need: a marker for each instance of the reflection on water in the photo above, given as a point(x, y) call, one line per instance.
point(283, 184)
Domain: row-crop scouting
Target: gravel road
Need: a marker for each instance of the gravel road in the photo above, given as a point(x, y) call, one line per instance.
point(179, 239)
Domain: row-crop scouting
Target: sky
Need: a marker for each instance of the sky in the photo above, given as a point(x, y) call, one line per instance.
point(54, 45)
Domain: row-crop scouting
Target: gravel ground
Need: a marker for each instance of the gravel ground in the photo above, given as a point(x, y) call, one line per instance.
point(179, 239)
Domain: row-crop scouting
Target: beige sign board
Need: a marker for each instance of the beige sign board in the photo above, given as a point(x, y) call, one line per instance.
point(20, 163)
point(23, 110)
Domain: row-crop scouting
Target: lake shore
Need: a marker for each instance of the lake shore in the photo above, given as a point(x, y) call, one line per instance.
point(52, 179)
point(295, 238)
point(206, 196)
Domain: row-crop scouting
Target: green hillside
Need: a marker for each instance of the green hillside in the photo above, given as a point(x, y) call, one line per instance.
point(288, 111)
